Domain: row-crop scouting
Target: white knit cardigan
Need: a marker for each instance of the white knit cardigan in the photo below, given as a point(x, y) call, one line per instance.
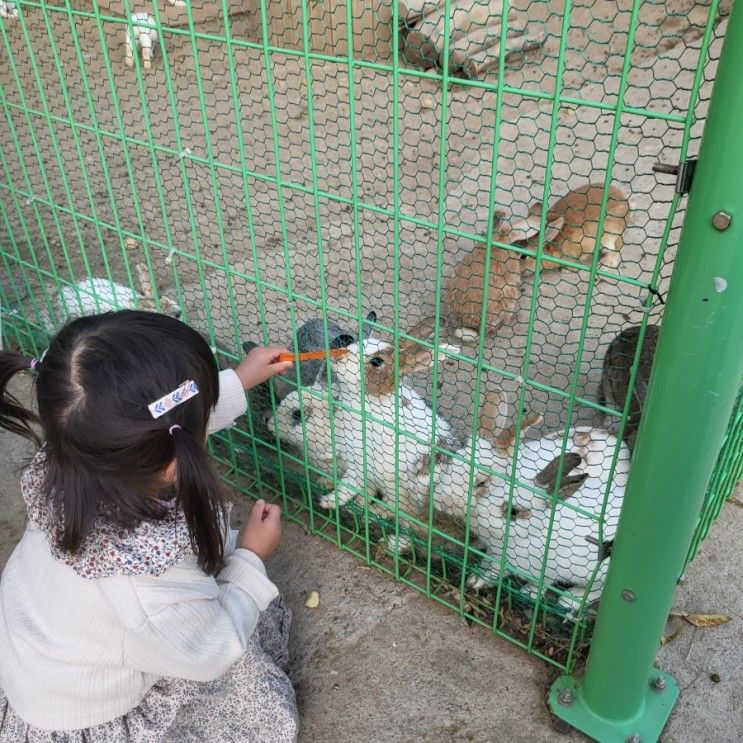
point(76, 652)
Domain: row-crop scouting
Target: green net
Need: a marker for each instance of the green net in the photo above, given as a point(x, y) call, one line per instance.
point(257, 167)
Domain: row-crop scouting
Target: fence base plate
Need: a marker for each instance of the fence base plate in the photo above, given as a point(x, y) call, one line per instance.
point(645, 727)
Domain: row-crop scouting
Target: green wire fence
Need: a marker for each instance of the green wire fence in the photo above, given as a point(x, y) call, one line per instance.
point(255, 166)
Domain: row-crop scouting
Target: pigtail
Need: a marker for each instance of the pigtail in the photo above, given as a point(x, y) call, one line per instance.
point(199, 494)
point(74, 503)
point(13, 416)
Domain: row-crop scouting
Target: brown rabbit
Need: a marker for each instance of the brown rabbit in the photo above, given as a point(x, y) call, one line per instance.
point(572, 225)
point(464, 290)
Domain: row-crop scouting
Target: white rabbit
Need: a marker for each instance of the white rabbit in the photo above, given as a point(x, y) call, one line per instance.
point(371, 441)
point(571, 546)
point(144, 33)
point(91, 296)
point(8, 9)
point(575, 544)
point(315, 436)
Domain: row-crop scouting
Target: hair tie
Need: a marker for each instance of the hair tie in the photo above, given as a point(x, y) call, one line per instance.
point(172, 428)
point(35, 362)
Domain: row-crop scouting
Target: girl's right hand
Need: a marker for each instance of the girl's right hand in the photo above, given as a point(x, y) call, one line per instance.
point(262, 531)
point(261, 364)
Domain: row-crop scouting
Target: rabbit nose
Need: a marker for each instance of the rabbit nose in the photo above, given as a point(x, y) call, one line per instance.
point(177, 314)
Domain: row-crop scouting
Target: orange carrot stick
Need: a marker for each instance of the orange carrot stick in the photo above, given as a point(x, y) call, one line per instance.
point(334, 353)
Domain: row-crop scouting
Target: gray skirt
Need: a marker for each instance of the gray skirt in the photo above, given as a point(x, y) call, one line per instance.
point(253, 702)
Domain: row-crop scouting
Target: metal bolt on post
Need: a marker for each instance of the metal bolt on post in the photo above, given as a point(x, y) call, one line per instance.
point(659, 684)
point(721, 221)
point(699, 359)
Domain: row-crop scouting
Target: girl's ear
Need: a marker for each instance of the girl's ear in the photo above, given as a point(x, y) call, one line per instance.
point(170, 472)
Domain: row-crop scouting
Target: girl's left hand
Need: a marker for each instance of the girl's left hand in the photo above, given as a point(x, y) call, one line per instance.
point(261, 364)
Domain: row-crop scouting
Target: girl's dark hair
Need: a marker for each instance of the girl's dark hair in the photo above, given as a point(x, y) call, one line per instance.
point(105, 453)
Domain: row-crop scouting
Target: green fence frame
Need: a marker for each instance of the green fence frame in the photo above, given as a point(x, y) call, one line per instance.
point(74, 205)
point(621, 696)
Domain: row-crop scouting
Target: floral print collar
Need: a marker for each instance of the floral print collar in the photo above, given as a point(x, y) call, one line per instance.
point(148, 549)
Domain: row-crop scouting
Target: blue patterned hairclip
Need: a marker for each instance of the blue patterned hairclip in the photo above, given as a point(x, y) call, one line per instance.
point(185, 392)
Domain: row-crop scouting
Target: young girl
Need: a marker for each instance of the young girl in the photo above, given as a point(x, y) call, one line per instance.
point(129, 611)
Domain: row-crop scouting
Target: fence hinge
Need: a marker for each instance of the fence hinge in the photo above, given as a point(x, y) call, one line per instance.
point(684, 173)
point(605, 548)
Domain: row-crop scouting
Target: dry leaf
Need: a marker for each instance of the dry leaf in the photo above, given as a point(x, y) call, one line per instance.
point(672, 628)
point(313, 600)
point(706, 620)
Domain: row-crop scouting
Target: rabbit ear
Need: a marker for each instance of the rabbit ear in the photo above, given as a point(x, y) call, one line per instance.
point(519, 230)
point(423, 329)
point(526, 229)
point(555, 223)
point(143, 276)
point(499, 219)
point(342, 341)
point(493, 414)
point(505, 440)
point(366, 328)
point(547, 477)
point(415, 358)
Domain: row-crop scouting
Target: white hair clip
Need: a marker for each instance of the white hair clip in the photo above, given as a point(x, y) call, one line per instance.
point(185, 392)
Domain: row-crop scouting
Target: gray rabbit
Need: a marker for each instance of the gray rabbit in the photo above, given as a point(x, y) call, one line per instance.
point(309, 337)
point(616, 375)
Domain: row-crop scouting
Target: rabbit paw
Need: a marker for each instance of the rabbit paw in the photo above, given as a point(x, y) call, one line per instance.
point(578, 605)
point(338, 497)
point(328, 501)
point(475, 582)
point(401, 545)
point(467, 334)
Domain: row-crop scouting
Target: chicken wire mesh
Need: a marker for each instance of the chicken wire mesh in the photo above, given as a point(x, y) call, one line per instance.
point(263, 169)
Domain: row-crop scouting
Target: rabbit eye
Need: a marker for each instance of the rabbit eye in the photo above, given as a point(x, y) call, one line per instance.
point(297, 415)
point(376, 361)
point(514, 512)
point(481, 483)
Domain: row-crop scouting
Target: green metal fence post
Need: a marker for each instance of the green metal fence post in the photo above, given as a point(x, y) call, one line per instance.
point(698, 369)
